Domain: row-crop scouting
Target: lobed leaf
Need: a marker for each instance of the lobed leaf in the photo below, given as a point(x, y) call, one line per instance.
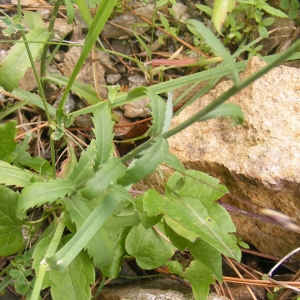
point(11, 175)
point(150, 159)
point(40, 193)
point(108, 174)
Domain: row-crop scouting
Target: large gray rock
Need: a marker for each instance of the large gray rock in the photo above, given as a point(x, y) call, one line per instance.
point(258, 161)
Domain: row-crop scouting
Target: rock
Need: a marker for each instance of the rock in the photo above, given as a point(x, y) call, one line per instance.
point(86, 74)
point(137, 108)
point(161, 289)
point(259, 160)
point(128, 23)
point(113, 78)
point(61, 28)
point(181, 11)
point(286, 26)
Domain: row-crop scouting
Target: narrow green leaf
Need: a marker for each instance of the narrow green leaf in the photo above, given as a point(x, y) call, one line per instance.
point(149, 248)
point(100, 248)
point(83, 90)
point(168, 113)
point(40, 193)
point(173, 161)
point(158, 112)
point(70, 11)
point(14, 66)
point(103, 12)
point(219, 13)
point(11, 175)
point(205, 8)
point(274, 11)
point(34, 99)
point(11, 237)
point(103, 133)
point(211, 40)
point(197, 274)
point(226, 110)
point(71, 283)
point(84, 169)
point(8, 145)
point(88, 229)
point(147, 164)
point(106, 176)
point(84, 12)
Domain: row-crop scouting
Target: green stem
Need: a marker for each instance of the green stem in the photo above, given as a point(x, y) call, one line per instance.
point(232, 91)
point(43, 265)
point(41, 90)
point(50, 29)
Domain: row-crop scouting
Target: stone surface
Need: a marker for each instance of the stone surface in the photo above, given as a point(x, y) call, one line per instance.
point(137, 108)
point(86, 74)
point(128, 23)
point(259, 160)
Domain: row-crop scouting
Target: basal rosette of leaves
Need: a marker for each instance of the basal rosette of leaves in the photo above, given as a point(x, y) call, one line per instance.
point(96, 222)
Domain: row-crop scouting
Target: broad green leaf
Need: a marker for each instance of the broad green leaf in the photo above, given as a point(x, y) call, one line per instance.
point(106, 176)
point(33, 98)
point(196, 274)
point(208, 256)
point(40, 193)
point(274, 11)
point(14, 66)
point(147, 164)
point(8, 145)
point(11, 237)
point(190, 218)
point(211, 40)
point(95, 220)
point(33, 19)
point(113, 269)
point(148, 247)
point(226, 110)
point(73, 282)
point(83, 90)
point(11, 175)
point(100, 248)
point(103, 133)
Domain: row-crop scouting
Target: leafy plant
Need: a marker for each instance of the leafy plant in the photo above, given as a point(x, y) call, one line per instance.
point(291, 7)
point(90, 200)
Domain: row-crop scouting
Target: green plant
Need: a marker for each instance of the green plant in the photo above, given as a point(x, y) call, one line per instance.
point(291, 7)
point(91, 198)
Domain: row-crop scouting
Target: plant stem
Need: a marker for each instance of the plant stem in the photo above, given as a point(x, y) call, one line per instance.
point(232, 91)
point(43, 265)
point(50, 29)
point(41, 91)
